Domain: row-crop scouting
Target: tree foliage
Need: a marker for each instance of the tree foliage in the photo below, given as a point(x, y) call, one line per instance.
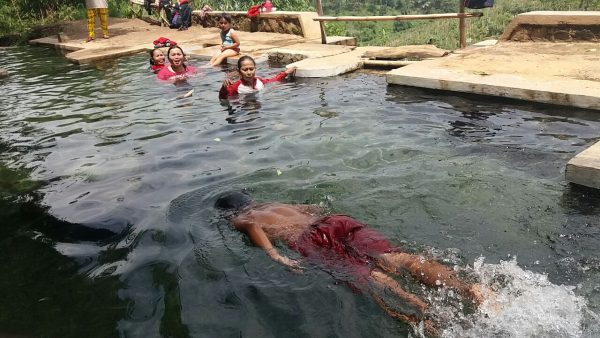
point(443, 33)
point(19, 15)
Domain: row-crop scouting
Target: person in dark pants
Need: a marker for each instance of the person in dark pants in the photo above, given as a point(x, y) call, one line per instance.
point(185, 11)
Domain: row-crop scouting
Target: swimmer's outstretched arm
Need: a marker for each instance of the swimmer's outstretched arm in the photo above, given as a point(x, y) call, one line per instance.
point(260, 239)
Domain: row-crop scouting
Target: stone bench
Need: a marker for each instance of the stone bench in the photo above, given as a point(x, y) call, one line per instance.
point(571, 26)
point(283, 22)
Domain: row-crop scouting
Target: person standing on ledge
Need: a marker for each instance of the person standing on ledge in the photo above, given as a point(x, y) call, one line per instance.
point(344, 247)
point(100, 7)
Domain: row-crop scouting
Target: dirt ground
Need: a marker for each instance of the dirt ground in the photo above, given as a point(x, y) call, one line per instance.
point(128, 32)
point(576, 60)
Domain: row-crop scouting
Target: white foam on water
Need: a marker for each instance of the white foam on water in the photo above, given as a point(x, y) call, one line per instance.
point(524, 304)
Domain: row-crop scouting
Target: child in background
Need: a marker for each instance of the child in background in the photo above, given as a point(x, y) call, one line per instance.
point(205, 9)
point(157, 60)
point(249, 82)
point(231, 43)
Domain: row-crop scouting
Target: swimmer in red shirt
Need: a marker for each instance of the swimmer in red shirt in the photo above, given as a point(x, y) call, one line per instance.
point(157, 60)
point(177, 70)
point(341, 244)
point(249, 82)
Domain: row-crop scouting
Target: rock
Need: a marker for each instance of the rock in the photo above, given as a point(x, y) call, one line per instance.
point(404, 52)
point(586, 35)
point(3, 73)
point(62, 37)
point(9, 40)
point(562, 35)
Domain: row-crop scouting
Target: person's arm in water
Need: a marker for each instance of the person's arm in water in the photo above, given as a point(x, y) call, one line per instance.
point(282, 75)
point(228, 89)
point(259, 238)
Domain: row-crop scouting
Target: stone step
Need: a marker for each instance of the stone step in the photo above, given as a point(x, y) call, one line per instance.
point(332, 65)
point(436, 74)
point(584, 168)
point(98, 54)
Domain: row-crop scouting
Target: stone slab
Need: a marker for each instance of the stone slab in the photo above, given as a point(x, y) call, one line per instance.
point(551, 18)
point(555, 73)
point(336, 40)
point(332, 65)
point(584, 168)
point(85, 56)
point(54, 43)
point(312, 50)
point(207, 53)
point(485, 43)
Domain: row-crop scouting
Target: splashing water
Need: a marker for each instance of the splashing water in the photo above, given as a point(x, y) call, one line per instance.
point(522, 303)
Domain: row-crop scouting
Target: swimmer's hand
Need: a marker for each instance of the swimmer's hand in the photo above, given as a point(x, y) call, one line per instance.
point(293, 264)
point(291, 70)
point(227, 83)
point(179, 78)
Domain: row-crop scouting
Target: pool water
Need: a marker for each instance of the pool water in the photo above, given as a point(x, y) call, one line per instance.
point(108, 182)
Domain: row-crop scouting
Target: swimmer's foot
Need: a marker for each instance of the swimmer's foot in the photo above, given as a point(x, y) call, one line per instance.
point(476, 293)
point(480, 293)
point(430, 329)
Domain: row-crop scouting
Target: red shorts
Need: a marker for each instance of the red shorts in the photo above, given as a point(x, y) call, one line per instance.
point(343, 245)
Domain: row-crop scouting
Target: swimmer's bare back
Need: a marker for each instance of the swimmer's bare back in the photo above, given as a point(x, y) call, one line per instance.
point(279, 221)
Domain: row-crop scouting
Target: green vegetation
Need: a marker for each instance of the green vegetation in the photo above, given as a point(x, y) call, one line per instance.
point(442, 33)
point(18, 17)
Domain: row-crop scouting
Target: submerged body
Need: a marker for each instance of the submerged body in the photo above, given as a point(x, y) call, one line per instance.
point(249, 82)
point(343, 245)
point(177, 70)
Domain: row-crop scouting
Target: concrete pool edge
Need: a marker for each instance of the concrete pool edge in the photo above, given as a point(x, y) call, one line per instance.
point(584, 168)
point(561, 91)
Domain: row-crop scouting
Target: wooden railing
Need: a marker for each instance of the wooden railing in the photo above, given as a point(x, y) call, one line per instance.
point(461, 15)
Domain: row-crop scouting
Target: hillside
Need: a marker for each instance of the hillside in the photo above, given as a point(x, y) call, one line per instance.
point(442, 33)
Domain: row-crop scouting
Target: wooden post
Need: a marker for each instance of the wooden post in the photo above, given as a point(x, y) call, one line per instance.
point(321, 24)
point(461, 25)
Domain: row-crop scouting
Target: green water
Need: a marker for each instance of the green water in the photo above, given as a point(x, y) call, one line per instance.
point(107, 187)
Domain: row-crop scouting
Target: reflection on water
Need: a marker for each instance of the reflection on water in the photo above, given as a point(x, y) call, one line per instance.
point(128, 175)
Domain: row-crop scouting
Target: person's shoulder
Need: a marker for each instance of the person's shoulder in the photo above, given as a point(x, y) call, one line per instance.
point(164, 73)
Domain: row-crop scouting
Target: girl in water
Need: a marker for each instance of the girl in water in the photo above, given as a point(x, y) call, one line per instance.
point(231, 43)
point(177, 69)
point(249, 82)
point(157, 60)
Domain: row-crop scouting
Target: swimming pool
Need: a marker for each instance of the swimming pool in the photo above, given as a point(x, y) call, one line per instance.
point(109, 183)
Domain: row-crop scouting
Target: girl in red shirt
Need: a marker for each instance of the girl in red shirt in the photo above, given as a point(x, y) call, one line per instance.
point(177, 70)
point(157, 60)
point(249, 82)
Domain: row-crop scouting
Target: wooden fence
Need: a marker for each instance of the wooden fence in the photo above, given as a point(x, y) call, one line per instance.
point(461, 15)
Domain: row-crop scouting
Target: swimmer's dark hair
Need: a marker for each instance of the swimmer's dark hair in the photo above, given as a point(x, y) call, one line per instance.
point(225, 16)
point(244, 58)
point(233, 202)
point(152, 56)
